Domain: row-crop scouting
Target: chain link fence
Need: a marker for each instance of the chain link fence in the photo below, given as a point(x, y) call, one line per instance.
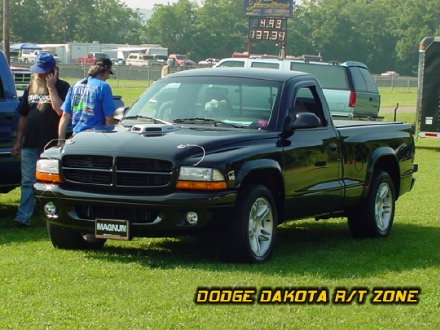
point(396, 82)
point(123, 75)
point(131, 75)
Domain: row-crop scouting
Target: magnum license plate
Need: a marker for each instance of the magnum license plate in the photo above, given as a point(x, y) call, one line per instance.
point(112, 229)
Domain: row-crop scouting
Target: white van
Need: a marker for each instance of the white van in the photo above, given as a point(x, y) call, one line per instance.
point(141, 59)
point(29, 55)
point(349, 88)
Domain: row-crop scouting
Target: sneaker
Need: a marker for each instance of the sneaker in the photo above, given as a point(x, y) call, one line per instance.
point(17, 224)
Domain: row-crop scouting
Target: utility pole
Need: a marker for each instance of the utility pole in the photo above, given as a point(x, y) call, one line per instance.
point(6, 48)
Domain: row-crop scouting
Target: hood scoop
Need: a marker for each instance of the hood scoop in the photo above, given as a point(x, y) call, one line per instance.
point(153, 129)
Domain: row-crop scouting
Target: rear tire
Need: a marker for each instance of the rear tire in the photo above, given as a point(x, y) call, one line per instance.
point(374, 217)
point(63, 238)
point(252, 231)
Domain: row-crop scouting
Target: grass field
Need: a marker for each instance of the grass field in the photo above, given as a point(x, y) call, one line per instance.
point(405, 97)
point(151, 283)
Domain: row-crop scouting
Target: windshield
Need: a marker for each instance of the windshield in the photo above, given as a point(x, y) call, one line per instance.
point(100, 55)
point(239, 102)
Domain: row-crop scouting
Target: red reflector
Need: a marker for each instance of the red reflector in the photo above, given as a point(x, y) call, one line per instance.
point(353, 98)
point(429, 134)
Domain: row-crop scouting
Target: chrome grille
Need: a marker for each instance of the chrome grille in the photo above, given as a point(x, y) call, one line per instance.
point(142, 164)
point(139, 180)
point(88, 177)
point(115, 173)
point(98, 162)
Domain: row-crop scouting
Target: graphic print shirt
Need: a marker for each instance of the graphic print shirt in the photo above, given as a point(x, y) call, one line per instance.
point(42, 120)
point(89, 102)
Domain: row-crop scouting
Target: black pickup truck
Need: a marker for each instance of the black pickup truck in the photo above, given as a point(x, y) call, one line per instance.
point(226, 155)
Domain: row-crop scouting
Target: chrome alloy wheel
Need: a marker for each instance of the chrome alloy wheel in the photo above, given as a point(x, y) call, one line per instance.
point(383, 207)
point(260, 226)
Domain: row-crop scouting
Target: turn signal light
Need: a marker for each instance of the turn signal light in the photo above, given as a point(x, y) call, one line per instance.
point(201, 185)
point(48, 177)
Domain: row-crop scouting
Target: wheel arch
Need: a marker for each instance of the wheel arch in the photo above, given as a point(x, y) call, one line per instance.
point(268, 173)
point(384, 159)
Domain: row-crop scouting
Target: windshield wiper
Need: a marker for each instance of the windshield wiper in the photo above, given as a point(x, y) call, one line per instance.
point(155, 120)
point(197, 120)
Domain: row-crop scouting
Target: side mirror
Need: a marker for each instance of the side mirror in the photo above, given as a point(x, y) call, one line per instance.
point(118, 101)
point(302, 120)
point(120, 112)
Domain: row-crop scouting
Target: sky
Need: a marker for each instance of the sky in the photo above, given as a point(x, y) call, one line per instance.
point(146, 4)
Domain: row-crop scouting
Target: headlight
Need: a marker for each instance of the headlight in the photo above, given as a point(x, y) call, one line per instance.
point(201, 178)
point(200, 174)
point(48, 166)
point(48, 170)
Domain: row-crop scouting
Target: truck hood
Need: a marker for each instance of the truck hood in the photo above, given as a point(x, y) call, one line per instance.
point(170, 142)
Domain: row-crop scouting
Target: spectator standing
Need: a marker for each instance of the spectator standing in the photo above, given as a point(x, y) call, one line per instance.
point(89, 102)
point(166, 69)
point(40, 113)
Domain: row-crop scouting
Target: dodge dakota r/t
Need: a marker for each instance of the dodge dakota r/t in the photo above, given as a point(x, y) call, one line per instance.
point(226, 155)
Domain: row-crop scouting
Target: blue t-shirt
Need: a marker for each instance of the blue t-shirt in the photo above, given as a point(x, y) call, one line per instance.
point(89, 103)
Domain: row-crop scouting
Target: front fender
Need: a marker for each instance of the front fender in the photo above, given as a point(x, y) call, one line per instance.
point(256, 164)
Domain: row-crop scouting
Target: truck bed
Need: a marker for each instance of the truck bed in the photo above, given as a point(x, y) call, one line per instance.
point(361, 123)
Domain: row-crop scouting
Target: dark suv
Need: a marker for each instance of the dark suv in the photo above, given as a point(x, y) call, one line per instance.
point(10, 171)
point(349, 88)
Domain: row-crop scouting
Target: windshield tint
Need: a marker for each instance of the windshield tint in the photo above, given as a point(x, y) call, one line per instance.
point(243, 102)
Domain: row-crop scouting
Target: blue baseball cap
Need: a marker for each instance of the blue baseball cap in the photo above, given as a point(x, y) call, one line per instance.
point(43, 63)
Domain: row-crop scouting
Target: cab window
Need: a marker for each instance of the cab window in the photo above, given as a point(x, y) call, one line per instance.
point(358, 80)
point(233, 64)
point(307, 100)
point(266, 65)
point(369, 81)
point(329, 76)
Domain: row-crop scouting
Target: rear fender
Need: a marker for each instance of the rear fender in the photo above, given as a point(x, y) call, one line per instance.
point(383, 158)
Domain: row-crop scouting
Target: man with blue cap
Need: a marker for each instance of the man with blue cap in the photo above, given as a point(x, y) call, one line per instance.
point(40, 113)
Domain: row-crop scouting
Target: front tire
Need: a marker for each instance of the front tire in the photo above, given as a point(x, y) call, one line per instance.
point(375, 216)
point(251, 235)
point(64, 238)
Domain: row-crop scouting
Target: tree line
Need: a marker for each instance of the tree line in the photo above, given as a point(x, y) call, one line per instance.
point(384, 34)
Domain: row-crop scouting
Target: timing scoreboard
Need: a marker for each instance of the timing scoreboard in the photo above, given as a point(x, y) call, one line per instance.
point(268, 20)
point(268, 29)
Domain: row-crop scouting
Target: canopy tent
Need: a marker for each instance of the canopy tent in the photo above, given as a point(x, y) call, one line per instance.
point(25, 46)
